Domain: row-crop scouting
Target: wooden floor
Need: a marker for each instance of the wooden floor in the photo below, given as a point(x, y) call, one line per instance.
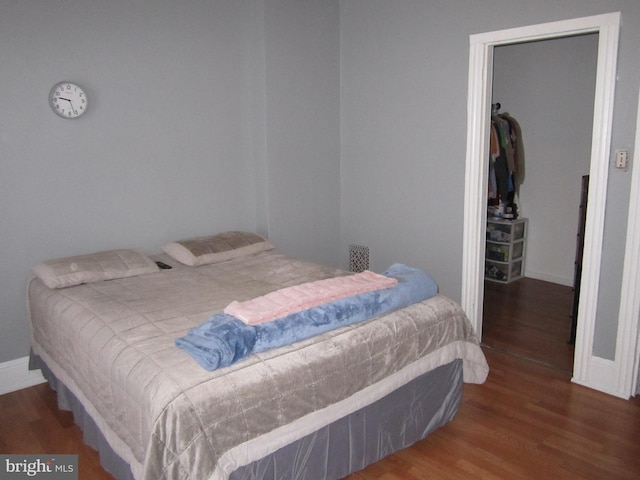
point(30, 423)
point(530, 318)
point(527, 421)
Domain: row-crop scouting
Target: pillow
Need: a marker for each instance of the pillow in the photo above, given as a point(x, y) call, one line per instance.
point(94, 267)
point(216, 248)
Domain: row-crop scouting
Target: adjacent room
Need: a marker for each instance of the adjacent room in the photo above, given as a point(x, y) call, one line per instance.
point(548, 87)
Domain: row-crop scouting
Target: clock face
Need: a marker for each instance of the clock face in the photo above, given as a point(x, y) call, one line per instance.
point(68, 100)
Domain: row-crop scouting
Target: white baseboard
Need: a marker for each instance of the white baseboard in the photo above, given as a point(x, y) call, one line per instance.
point(602, 377)
point(567, 282)
point(15, 375)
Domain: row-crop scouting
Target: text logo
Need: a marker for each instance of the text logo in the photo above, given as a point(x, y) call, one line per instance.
point(45, 466)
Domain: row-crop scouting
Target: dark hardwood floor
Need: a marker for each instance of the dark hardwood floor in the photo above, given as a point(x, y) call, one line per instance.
point(527, 421)
point(530, 318)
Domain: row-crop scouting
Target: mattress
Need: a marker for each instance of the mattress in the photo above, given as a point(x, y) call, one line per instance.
point(112, 345)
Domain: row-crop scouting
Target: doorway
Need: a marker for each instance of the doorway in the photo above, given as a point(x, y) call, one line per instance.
point(548, 87)
point(479, 99)
point(529, 319)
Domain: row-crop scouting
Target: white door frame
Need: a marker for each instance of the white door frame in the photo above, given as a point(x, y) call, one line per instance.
point(601, 374)
point(627, 342)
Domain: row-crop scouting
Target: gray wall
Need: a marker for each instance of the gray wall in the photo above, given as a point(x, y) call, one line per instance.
point(404, 118)
point(549, 86)
point(320, 123)
point(188, 131)
point(303, 127)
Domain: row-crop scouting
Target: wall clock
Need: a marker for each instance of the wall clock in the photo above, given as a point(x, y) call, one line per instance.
point(68, 100)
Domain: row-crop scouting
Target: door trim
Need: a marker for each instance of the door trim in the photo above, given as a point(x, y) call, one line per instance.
point(627, 340)
point(478, 111)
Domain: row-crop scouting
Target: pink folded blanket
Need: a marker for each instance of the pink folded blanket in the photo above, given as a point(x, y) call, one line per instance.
point(301, 297)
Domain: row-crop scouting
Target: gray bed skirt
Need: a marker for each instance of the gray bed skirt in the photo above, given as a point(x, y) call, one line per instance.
point(347, 445)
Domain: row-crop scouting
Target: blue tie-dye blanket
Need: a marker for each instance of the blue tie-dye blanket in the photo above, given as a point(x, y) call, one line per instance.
point(223, 339)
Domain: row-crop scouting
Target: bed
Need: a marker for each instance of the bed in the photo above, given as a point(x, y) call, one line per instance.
point(318, 407)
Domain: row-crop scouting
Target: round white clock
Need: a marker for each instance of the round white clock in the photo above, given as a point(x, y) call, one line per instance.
point(68, 100)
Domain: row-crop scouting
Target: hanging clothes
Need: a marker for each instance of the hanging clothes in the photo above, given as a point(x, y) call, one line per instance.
point(507, 154)
point(506, 163)
point(518, 148)
point(494, 153)
point(502, 165)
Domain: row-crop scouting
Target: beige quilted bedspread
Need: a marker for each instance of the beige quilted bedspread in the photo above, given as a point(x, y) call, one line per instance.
point(112, 344)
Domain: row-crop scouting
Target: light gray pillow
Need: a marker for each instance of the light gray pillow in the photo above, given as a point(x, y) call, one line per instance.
point(94, 267)
point(216, 248)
